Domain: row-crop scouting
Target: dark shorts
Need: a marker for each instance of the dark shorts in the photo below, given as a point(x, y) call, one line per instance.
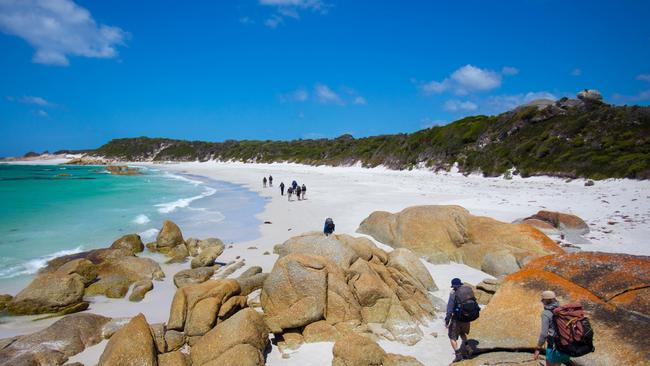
point(457, 328)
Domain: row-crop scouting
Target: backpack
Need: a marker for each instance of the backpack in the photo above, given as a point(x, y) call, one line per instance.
point(329, 225)
point(466, 309)
point(573, 333)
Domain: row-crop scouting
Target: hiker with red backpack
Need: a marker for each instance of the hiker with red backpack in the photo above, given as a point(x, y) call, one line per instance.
point(565, 330)
point(462, 308)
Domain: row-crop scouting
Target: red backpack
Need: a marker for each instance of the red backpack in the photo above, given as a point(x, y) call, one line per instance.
point(574, 335)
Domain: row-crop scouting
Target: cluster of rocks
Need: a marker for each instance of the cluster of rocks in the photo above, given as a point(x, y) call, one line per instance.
point(170, 242)
point(61, 285)
point(122, 170)
point(444, 233)
point(324, 287)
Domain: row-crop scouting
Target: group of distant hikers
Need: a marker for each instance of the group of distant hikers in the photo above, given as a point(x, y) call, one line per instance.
point(565, 330)
point(295, 189)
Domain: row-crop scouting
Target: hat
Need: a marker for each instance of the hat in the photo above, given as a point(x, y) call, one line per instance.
point(548, 295)
point(456, 282)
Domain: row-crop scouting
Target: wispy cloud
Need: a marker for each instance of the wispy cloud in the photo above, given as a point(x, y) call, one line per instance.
point(291, 9)
point(42, 113)
point(457, 105)
point(326, 95)
point(33, 100)
point(58, 29)
point(359, 100)
point(246, 20)
point(576, 72)
point(298, 95)
point(509, 70)
point(643, 77)
point(467, 79)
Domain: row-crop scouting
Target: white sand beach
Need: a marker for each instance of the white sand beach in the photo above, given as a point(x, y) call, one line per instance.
point(617, 211)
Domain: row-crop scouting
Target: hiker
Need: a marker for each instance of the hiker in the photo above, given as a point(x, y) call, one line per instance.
point(270, 181)
point(281, 188)
point(298, 192)
point(328, 229)
point(294, 184)
point(264, 182)
point(289, 192)
point(304, 190)
point(462, 308)
point(547, 335)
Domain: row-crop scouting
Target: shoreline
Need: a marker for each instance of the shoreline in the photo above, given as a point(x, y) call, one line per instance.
point(349, 194)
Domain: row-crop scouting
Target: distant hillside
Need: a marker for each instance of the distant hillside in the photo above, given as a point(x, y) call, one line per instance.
point(568, 138)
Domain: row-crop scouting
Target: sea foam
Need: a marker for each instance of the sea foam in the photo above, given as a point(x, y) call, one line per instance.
point(141, 219)
point(168, 207)
point(33, 265)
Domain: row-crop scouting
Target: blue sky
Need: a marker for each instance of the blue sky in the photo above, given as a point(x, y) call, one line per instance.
point(76, 74)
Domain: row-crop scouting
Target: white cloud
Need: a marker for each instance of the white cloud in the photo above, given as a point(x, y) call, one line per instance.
point(509, 70)
point(502, 103)
point(29, 99)
point(273, 21)
point(326, 95)
point(291, 9)
point(467, 79)
point(576, 72)
point(246, 20)
point(298, 95)
point(643, 77)
point(359, 100)
point(58, 29)
point(33, 100)
point(42, 113)
point(457, 105)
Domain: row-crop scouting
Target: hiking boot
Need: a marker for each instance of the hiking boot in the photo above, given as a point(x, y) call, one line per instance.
point(459, 356)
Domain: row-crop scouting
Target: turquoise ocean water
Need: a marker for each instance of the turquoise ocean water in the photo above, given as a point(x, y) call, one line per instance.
point(48, 211)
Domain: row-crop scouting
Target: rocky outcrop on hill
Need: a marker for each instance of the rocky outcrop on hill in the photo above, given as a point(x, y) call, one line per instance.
point(54, 344)
point(614, 289)
point(348, 283)
point(443, 233)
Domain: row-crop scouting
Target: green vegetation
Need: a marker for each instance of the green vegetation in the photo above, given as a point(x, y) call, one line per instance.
point(593, 140)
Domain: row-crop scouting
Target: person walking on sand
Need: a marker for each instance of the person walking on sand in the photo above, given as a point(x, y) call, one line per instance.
point(460, 294)
point(264, 182)
point(303, 190)
point(328, 229)
point(270, 180)
point(281, 188)
point(547, 334)
point(289, 192)
point(298, 192)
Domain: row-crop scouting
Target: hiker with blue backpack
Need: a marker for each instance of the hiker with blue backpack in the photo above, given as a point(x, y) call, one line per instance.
point(462, 308)
point(565, 331)
point(328, 228)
